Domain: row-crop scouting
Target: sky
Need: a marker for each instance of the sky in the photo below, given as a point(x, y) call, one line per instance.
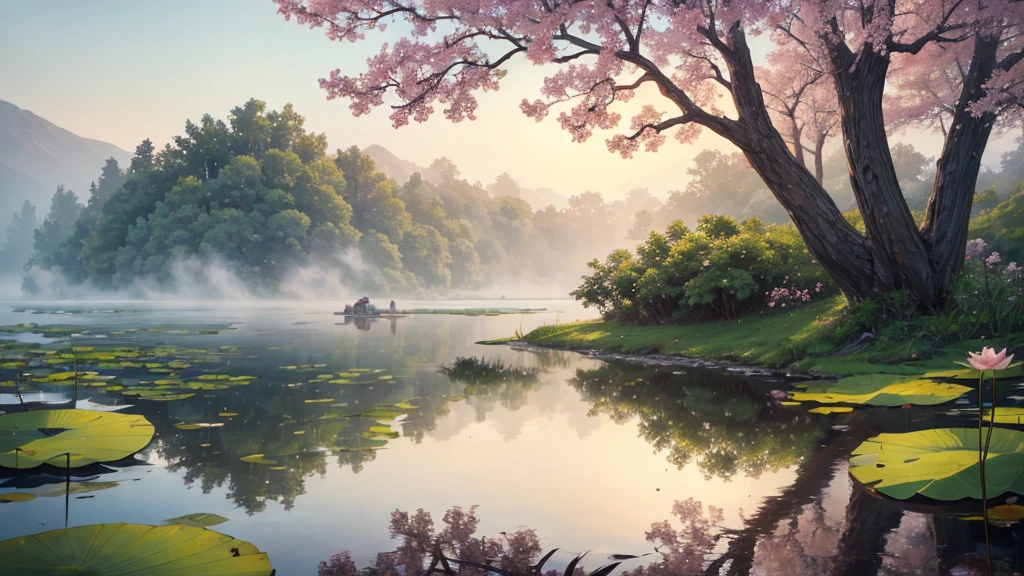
point(123, 70)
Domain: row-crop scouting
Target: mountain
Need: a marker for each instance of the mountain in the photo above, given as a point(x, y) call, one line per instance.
point(396, 168)
point(401, 170)
point(36, 156)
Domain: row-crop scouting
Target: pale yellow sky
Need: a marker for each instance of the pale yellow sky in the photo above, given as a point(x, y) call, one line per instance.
point(122, 71)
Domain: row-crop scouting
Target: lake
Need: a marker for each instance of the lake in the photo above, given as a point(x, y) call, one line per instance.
point(355, 420)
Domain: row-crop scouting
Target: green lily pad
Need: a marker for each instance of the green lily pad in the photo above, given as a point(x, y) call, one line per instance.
point(78, 488)
point(1005, 415)
point(340, 381)
point(789, 403)
point(880, 390)
point(258, 459)
point(319, 400)
point(941, 464)
point(972, 375)
point(29, 439)
point(830, 410)
point(199, 520)
point(123, 549)
point(158, 395)
point(212, 377)
point(12, 497)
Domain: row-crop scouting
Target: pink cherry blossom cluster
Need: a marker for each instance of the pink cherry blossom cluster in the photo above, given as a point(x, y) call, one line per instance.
point(782, 296)
point(601, 52)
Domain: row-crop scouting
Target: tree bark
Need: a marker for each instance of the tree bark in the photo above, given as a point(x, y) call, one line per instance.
point(949, 207)
point(835, 243)
point(900, 258)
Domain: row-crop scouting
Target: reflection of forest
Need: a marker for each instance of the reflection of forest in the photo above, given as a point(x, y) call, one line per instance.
point(721, 422)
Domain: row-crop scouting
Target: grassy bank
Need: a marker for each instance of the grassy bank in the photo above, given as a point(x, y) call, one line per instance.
point(796, 339)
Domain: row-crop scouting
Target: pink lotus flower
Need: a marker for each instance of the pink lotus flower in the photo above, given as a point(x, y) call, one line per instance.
point(989, 360)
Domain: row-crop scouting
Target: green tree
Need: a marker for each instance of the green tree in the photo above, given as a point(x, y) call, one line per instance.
point(18, 237)
point(58, 225)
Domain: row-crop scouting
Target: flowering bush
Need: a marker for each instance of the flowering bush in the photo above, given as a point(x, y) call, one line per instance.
point(721, 270)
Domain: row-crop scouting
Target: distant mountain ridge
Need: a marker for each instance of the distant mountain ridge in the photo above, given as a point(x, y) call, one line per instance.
point(401, 170)
point(36, 156)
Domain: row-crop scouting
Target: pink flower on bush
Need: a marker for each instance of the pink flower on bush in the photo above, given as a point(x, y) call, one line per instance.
point(988, 359)
point(975, 248)
point(818, 287)
point(993, 259)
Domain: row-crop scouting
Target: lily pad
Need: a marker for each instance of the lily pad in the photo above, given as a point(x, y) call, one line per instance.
point(830, 410)
point(258, 459)
point(122, 549)
point(972, 375)
point(880, 390)
point(1005, 415)
point(941, 464)
point(12, 497)
point(199, 520)
point(227, 414)
point(1004, 514)
point(789, 403)
point(29, 439)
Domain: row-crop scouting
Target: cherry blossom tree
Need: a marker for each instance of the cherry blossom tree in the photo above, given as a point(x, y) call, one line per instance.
point(696, 53)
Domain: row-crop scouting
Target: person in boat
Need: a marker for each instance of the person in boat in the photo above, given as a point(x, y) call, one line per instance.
point(361, 306)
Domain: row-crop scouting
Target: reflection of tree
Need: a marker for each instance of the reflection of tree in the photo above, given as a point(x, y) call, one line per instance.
point(721, 422)
point(803, 544)
point(454, 549)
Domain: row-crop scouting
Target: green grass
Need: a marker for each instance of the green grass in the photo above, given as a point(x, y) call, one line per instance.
point(773, 339)
point(796, 339)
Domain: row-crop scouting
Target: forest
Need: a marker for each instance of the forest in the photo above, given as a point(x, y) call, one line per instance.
point(260, 197)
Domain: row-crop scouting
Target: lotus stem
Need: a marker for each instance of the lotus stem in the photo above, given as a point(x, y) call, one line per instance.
point(982, 456)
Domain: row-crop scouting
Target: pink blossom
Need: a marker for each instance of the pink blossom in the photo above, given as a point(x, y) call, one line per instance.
point(975, 248)
point(993, 259)
point(989, 359)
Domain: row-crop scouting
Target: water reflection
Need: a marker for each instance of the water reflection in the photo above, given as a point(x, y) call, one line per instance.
point(720, 421)
point(588, 454)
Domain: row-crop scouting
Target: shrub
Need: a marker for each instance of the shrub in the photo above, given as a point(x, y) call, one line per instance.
point(721, 270)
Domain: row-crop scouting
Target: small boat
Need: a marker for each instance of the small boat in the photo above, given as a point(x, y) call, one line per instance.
point(372, 315)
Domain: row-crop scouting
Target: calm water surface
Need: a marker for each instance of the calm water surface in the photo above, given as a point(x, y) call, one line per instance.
point(586, 452)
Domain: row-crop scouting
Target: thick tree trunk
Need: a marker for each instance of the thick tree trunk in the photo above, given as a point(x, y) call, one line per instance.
point(836, 244)
point(949, 207)
point(900, 257)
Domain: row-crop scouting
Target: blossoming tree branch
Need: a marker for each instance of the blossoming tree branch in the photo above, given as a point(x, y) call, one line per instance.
point(865, 67)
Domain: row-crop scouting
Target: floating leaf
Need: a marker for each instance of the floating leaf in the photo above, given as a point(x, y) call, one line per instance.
point(12, 497)
point(789, 403)
point(198, 425)
point(348, 374)
point(940, 464)
point(880, 390)
point(29, 439)
point(212, 377)
point(79, 488)
point(830, 410)
point(278, 468)
point(319, 400)
point(199, 520)
point(341, 381)
point(207, 386)
point(257, 459)
point(227, 414)
point(1005, 514)
point(123, 549)
point(972, 375)
point(387, 377)
point(1005, 415)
